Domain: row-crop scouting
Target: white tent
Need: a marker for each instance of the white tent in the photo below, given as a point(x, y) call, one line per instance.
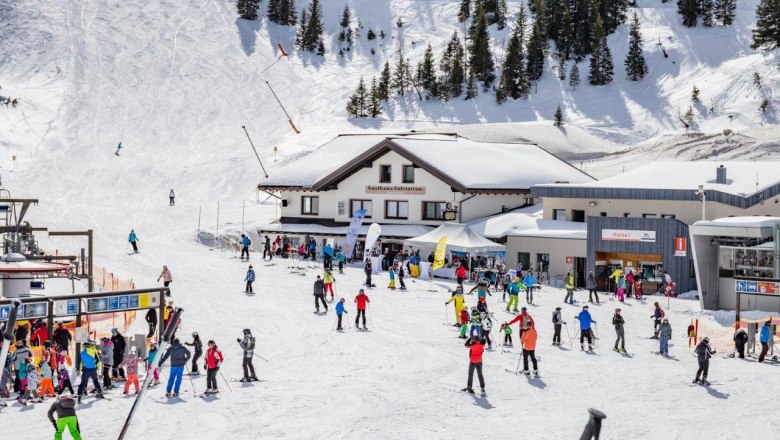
point(460, 237)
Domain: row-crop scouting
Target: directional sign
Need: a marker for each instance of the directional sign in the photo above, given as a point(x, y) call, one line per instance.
point(26, 311)
point(68, 307)
point(120, 303)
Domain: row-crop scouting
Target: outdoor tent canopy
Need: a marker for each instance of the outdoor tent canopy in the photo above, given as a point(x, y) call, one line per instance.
point(460, 238)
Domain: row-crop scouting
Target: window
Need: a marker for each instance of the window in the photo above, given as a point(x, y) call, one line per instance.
point(649, 216)
point(408, 174)
point(626, 214)
point(396, 209)
point(310, 205)
point(668, 216)
point(385, 174)
point(559, 214)
point(603, 214)
point(434, 210)
point(354, 205)
point(578, 215)
point(524, 259)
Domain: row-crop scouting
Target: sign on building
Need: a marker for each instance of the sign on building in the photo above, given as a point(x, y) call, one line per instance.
point(395, 189)
point(763, 287)
point(26, 311)
point(680, 246)
point(628, 235)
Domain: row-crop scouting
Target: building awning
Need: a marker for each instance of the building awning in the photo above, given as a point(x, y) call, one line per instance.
point(460, 237)
point(388, 230)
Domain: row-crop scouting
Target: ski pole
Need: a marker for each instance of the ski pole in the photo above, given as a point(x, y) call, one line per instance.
point(226, 382)
point(519, 357)
point(189, 373)
point(255, 354)
point(571, 343)
point(445, 313)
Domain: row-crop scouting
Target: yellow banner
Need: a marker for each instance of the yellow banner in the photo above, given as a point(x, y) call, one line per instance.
point(438, 256)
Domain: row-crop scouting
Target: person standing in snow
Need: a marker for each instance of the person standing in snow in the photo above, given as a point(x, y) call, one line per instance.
point(119, 353)
point(63, 380)
point(197, 348)
point(457, 298)
point(558, 323)
point(657, 316)
point(401, 278)
point(590, 284)
point(65, 407)
point(476, 323)
point(703, 352)
point(165, 275)
point(319, 295)
point(131, 364)
point(665, 334)
point(524, 318)
point(245, 242)
point(391, 274)
point(150, 364)
point(585, 331)
point(476, 347)
point(619, 322)
point(617, 273)
point(530, 283)
point(528, 341)
point(179, 356)
point(342, 259)
point(248, 345)
point(214, 360)
point(133, 239)
point(569, 288)
point(362, 302)
point(740, 341)
point(249, 278)
point(464, 319)
point(329, 279)
point(327, 256)
point(340, 310)
point(151, 320)
point(107, 359)
point(513, 289)
point(507, 330)
point(171, 198)
point(460, 273)
point(482, 291)
point(90, 363)
point(267, 248)
point(61, 337)
point(368, 270)
point(765, 338)
point(487, 325)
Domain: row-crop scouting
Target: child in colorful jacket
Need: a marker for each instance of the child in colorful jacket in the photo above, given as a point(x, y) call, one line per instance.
point(32, 383)
point(150, 361)
point(391, 272)
point(507, 329)
point(63, 380)
point(464, 319)
point(131, 367)
point(476, 323)
point(328, 279)
point(47, 381)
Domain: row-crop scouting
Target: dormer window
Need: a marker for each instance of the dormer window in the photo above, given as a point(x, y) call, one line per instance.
point(385, 174)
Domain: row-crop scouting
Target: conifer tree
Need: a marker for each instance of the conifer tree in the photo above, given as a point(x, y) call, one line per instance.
point(601, 67)
point(695, 94)
point(383, 86)
point(558, 117)
point(454, 67)
point(562, 68)
point(689, 11)
point(724, 11)
point(401, 76)
point(311, 28)
point(563, 41)
point(471, 86)
point(612, 13)
point(514, 78)
point(481, 61)
point(300, 33)
point(465, 10)
point(356, 106)
point(706, 13)
point(501, 10)
point(574, 76)
point(374, 106)
point(247, 9)
point(766, 34)
point(346, 31)
point(288, 13)
point(272, 10)
point(537, 51)
point(426, 72)
point(321, 48)
point(636, 66)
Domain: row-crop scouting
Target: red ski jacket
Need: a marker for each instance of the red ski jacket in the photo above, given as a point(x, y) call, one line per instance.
point(213, 356)
point(361, 301)
point(460, 272)
point(523, 318)
point(475, 353)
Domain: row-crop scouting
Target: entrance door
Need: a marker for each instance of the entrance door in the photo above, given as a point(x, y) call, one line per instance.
point(524, 260)
point(579, 272)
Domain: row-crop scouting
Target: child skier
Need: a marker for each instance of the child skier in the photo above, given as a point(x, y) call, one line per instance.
point(401, 277)
point(340, 311)
point(391, 273)
point(197, 352)
point(63, 380)
point(131, 367)
point(65, 407)
point(585, 331)
point(133, 239)
point(704, 352)
point(621, 289)
point(150, 362)
point(107, 359)
point(482, 292)
point(476, 323)
point(329, 279)
point(214, 360)
point(507, 334)
point(32, 384)
point(657, 316)
point(487, 325)
point(249, 278)
point(558, 324)
point(248, 345)
point(464, 319)
point(47, 380)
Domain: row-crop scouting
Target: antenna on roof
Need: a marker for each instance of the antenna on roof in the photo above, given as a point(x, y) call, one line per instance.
point(255, 150)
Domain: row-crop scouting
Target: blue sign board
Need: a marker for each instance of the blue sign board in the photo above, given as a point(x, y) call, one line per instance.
point(26, 311)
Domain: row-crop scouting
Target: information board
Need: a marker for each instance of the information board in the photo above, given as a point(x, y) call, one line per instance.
point(121, 303)
point(26, 311)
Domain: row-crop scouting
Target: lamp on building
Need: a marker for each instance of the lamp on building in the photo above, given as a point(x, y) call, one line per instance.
point(703, 196)
point(592, 203)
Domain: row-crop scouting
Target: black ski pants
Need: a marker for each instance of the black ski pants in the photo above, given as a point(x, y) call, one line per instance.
point(248, 367)
point(507, 339)
point(585, 334)
point(106, 376)
point(245, 250)
point(741, 350)
point(211, 378)
point(195, 358)
point(557, 334)
point(621, 337)
point(529, 354)
point(249, 287)
point(401, 281)
point(764, 349)
point(368, 279)
point(152, 329)
point(338, 327)
point(486, 335)
point(592, 292)
point(86, 375)
point(320, 297)
point(361, 312)
point(476, 366)
point(267, 250)
point(704, 367)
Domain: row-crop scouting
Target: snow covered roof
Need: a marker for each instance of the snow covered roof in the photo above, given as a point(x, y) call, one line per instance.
point(754, 226)
point(502, 166)
point(528, 222)
point(388, 230)
point(460, 237)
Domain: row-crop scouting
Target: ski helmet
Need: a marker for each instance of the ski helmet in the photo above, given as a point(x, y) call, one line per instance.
point(706, 340)
point(247, 331)
point(194, 334)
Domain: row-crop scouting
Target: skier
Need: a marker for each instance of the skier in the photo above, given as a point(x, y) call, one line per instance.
point(482, 291)
point(740, 340)
point(63, 380)
point(401, 277)
point(569, 288)
point(524, 318)
point(179, 356)
point(197, 348)
point(65, 407)
point(617, 273)
point(150, 362)
point(460, 273)
point(319, 295)
point(118, 149)
point(327, 256)
point(362, 302)
point(151, 320)
point(313, 250)
point(457, 298)
point(249, 278)
point(340, 311)
point(119, 353)
point(657, 316)
point(18, 359)
point(342, 259)
point(507, 334)
point(133, 239)
point(557, 320)
point(619, 322)
point(47, 380)
point(476, 323)
point(171, 198)
point(704, 352)
point(245, 242)
point(585, 331)
point(90, 362)
point(528, 342)
point(213, 361)
point(32, 384)
point(513, 289)
point(487, 325)
point(248, 345)
point(267, 248)
point(476, 347)
point(765, 338)
point(367, 269)
point(61, 337)
point(166, 277)
point(131, 363)
point(107, 359)
point(665, 334)
point(590, 284)
point(621, 288)
point(328, 279)
point(530, 282)
point(464, 319)
point(391, 274)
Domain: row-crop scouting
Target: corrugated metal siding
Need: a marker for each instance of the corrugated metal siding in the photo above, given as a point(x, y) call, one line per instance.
point(665, 229)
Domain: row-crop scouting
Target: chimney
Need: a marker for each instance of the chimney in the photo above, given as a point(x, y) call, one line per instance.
point(721, 175)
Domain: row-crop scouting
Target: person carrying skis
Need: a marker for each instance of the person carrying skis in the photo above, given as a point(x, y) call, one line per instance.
point(319, 295)
point(657, 316)
point(248, 345)
point(249, 278)
point(151, 320)
point(476, 347)
point(619, 322)
point(487, 325)
point(150, 362)
point(165, 275)
point(507, 334)
point(171, 198)
point(391, 274)
point(765, 338)
point(513, 289)
point(90, 363)
point(179, 356)
point(329, 279)
point(558, 323)
point(340, 311)
point(131, 364)
point(569, 288)
point(457, 298)
point(665, 334)
point(214, 360)
point(245, 242)
point(368, 270)
point(528, 342)
point(740, 340)
point(107, 359)
point(197, 348)
point(703, 352)
point(464, 319)
point(585, 331)
point(362, 302)
point(65, 407)
point(133, 239)
point(119, 353)
point(267, 248)
point(590, 284)
point(530, 283)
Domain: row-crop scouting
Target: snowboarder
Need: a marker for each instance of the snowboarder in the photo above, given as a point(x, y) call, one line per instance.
point(165, 275)
point(197, 348)
point(107, 359)
point(267, 248)
point(619, 322)
point(476, 347)
point(457, 298)
point(119, 353)
point(90, 362)
point(507, 334)
point(179, 356)
point(657, 316)
point(245, 242)
point(150, 362)
point(391, 274)
point(703, 352)
point(740, 340)
point(319, 295)
point(171, 198)
point(765, 338)
point(367, 269)
point(249, 278)
point(585, 331)
point(133, 239)
point(528, 341)
point(65, 407)
point(151, 320)
point(665, 334)
point(590, 284)
point(214, 360)
point(569, 288)
point(362, 302)
point(558, 323)
point(340, 311)
point(248, 345)
point(131, 363)
point(464, 319)
point(530, 283)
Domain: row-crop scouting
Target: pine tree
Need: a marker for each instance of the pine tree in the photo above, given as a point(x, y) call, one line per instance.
point(636, 66)
point(346, 31)
point(574, 76)
point(321, 48)
point(374, 100)
point(695, 95)
point(247, 9)
point(514, 78)
point(426, 72)
point(583, 29)
point(764, 106)
point(706, 12)
point(356, 106)
point(310, 32)
point(465, 10)
point(562, 68)
point(454, 67)
point(383, 87)
point(563, 41)
point(757, 80)
point(481, 61)
point(724, 11)
point(612, 13)
point(471, 86)
point(400, 82)
point(688, 118)
point(558, 117)
point(689, 11)
point(288, 13)
point(766, 34)
point(346, 17)
point(272, 10)
point(601, 67)
point(370, 35)
point(537, 47)
point(501, 10)
point(300, 34)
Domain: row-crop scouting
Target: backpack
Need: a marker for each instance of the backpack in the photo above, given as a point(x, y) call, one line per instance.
point(248, 241)
point(553, 318)
point(250, 345)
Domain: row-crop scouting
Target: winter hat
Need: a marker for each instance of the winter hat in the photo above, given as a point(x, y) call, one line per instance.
point(114, 331)
point(557, 308)
point(250, 266)
point(617, 310)
point(706, 340)
point(247, 331)
point(523, 309)
point(341, 300)
point(584, 307)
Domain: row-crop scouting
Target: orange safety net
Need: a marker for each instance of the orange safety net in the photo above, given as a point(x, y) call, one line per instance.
point(722, 338)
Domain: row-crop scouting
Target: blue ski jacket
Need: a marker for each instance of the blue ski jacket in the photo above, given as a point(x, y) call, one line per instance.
point(340, 308)
point(766, 331)
point(585, 320)
point(245, 242)
point(250, 275)
point(132, 238)
point(529, 280)
point(327, 250)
